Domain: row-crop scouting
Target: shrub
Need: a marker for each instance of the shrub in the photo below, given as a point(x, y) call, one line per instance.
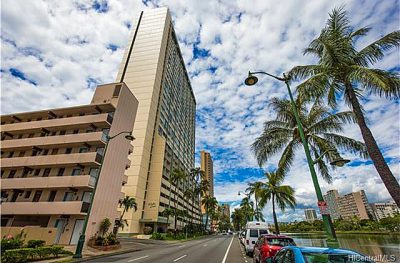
point(105, 226)
point(28, 254)
point(112, 239)
point(11, 242)
point(35, 243)
point(147, 230)
point(99, 241)
point(157, 236)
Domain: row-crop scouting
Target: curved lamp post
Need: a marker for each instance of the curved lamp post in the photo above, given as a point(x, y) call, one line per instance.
point(252, 80)
point(81, 241)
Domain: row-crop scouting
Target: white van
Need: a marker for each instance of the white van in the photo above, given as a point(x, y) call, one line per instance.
point(253, 231)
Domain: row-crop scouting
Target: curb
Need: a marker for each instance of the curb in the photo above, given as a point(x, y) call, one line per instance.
point(100, 256)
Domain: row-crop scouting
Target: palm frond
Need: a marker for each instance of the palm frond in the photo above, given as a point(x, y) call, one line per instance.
point(347, 144)
point(375, 51)
point(380, 82)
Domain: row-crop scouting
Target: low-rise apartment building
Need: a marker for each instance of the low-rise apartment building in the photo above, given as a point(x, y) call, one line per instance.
point(382, 210)
point(50, 161)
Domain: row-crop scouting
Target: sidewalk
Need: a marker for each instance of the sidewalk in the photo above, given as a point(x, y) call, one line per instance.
point(236, 253)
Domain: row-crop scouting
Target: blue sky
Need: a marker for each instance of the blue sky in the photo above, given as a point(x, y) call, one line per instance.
point(58, 51)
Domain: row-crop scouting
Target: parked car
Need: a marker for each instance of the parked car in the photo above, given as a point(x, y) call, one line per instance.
point(242, 236)
point(253, 231)
point(268, 245)
point(317, 254)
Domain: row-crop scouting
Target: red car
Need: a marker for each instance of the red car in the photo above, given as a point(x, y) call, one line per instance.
point(267, 246)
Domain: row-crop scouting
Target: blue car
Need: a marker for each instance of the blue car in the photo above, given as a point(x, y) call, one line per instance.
point(317, 255)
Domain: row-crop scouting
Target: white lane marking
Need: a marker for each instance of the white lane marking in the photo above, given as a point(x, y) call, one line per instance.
point(175, 260)
point(227, 251)
point(138, 258)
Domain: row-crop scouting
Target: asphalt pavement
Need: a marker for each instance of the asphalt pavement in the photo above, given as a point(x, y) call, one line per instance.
point(214, 249)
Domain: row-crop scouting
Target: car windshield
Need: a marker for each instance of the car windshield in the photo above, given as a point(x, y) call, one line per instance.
point(310, 257)
point(263, 231)
point(282, 242)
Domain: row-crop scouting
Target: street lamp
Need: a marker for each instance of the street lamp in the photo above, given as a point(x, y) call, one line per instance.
point(81, 241)
point(250, 81)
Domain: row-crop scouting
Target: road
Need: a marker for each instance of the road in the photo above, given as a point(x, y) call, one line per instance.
point(214, 249)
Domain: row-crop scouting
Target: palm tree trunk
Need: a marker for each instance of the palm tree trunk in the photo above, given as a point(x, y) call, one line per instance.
point(392, 185)
point(274, 215)
point(205, 227)
point(255, 197)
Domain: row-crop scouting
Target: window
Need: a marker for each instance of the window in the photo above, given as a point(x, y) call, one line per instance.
point(263, 231)
point(53, 133)
point(37, 171)
point(54, 151)
point(46, 172)
point(253, 233)
point(45, 152)
point(52, 196)
point(76, 171)
point(34, 152)
point(27, 194)
point(20, 136)
point(25, 173)
point(30, 135)
point(68, 196)
point(83, 150)
point(2, 173)
point(10, 154)
point(100, 150)
point(37, 196)
point(62, 132)
point(12, 173)
point(75, 131)
point(61, 171)
point(68, 150)
point(21, 154)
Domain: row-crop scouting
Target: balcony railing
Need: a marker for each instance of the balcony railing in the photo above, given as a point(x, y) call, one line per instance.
point(44, 208)
point(88, 158)
point(78, 181)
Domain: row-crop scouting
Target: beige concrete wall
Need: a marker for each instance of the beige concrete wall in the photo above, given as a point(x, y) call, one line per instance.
point(47, 234)
point(154, 182)
point(143, 77)
point(116, 158)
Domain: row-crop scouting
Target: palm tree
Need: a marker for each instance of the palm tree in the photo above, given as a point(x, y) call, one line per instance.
point(320, 128)
point(127, 203)
point(247, 207)
point(177, 176)
point(209, 203)
point(281, 195)
point(254, 188)
point(342, 70)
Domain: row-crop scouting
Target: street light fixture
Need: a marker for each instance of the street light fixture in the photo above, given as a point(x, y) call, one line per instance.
point(250, 81)
point(340, 162)
point(81, 241)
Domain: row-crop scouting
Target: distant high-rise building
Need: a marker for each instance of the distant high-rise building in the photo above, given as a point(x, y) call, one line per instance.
point(311, 215)
point(154, 70)
point(51, 159)
point(355, 204)
point(331, 199)
point(226, 211)
point(382, 210)
point(206, 165)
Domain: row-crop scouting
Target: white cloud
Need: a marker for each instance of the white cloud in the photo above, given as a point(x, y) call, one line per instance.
point(60, 47)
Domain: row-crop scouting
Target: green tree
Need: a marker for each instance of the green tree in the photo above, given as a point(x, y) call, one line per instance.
point(247, 207)
point(238, 219)
point(127, 203)
point(255, 188)
point(342, 70)
point(281, 195)
point(321, 129)
point(209, 203)
point(177, 177)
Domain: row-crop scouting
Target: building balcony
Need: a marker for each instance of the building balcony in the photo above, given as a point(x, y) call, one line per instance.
point(102, 120)
point(78, 181)
point(60, 141)
point(45, 208)
point(88, 158)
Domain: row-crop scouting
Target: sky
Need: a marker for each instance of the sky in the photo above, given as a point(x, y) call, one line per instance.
point(54, 53)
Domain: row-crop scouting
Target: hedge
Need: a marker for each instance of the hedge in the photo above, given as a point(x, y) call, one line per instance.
point(28, 254)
